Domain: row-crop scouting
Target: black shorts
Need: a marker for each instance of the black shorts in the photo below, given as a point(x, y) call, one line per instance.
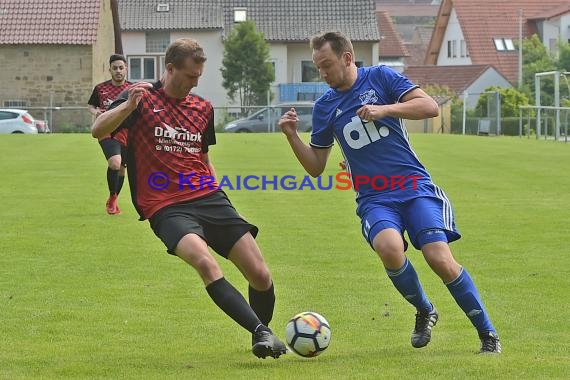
point(212, 217)
point(112, 147)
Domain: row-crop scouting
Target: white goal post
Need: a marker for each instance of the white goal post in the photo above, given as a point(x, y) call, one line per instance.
point(556, 108)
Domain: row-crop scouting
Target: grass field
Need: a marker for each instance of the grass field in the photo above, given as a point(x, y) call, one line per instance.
point(87, 296)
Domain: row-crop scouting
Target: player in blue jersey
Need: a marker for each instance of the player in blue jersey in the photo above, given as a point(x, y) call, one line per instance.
point(362, 111)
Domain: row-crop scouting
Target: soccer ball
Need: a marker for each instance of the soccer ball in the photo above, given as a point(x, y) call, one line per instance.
point(308, 334)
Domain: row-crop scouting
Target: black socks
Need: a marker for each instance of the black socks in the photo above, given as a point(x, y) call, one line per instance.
point(233, 304)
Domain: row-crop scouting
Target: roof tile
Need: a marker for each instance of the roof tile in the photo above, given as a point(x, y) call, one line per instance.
point(272, 17)
point(484, 20)
point(456, 78)
point(49, 22)
point(182, 15)
point(391, 44)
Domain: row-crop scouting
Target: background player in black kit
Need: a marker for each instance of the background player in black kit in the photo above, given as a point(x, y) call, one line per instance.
point(102, 96)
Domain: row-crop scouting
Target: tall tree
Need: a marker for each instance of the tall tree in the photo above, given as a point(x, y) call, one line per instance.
point(246, 70)
point(536, 59)
point(564, 67)
point(511, 99)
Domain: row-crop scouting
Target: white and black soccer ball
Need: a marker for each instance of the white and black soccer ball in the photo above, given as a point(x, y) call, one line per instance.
point(308, 334)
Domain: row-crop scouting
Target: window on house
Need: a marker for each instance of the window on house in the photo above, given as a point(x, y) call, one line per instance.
point(309, 72)
point(504, 44)
point(449, 49)
point(163, 7)
point(509, 44)
point(161, 65)
point(462, 48)
point(157, 42)
point(15, 103)
point(454, 49)
point(273, 68)
point(240, 14)
point(142, 68)
point(499, 44)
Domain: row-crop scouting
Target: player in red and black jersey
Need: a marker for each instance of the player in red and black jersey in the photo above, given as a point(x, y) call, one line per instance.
point(172, 183)
point(113, 148)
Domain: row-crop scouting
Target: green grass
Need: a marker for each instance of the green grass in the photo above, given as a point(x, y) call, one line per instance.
point(87, 296)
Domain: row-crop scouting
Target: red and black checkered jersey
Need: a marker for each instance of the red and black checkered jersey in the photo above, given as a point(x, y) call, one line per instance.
point(167, 139)
point(103, 95)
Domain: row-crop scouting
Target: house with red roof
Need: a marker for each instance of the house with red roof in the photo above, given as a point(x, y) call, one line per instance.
point(473, 45)
point(148, 26)
point(392, 51)
point(464, 79)
point(54, 52)
point(485, 32)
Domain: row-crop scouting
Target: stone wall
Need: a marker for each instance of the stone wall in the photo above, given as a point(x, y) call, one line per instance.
point(41, 75)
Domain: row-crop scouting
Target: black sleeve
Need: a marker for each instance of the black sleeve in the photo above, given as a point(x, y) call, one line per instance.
point(123, 97)
point(209, 135)
point(94, 98)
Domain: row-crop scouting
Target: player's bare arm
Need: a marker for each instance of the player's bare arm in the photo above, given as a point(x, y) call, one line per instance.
point(110, 120)
point(415, 105)
point(313, 160)
point(95, 111)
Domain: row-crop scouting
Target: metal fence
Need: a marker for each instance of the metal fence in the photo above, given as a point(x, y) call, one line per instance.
point(78, 119)
point(73, 119)
point(544, 122)
point(549, 123)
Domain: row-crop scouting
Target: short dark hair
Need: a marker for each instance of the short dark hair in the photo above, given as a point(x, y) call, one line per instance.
point(339, 42)
point(117, 57)
point(183, 48)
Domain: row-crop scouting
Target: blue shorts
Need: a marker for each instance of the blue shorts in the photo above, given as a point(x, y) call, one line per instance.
point(426, 219)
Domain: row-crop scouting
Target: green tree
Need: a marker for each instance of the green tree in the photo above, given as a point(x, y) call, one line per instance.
point(511, 99)
point(246, 70)
point(537, 60)
point(563, 66)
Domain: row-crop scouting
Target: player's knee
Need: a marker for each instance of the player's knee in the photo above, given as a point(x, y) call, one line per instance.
point(208, 269)
point(114, 162)
point(389, 248)
point(439, 257)
point(260, 279)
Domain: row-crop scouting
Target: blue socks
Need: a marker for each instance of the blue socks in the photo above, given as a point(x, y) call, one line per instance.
point(408, 284)
point(462, 289)
point(465, 293)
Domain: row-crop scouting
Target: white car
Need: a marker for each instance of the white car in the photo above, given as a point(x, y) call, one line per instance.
point(16, 121)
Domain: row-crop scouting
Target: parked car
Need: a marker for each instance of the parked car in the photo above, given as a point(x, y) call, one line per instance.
point(17, 121)
point(266, 119)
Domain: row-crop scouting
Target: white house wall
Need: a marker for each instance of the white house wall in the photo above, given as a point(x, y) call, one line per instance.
point(294, 54)
point(555, 30)
point(565, 28)
point(278, 55)
point(452, 33)
point(489, 78)
point(286, 57)
point(210, 84)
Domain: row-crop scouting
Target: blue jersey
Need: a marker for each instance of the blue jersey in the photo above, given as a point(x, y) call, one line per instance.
point(379, 158)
